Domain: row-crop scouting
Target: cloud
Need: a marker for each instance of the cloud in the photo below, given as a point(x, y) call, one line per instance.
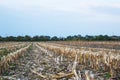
point(58, 3)
point(60, 15)
point(63, 5)
point(83, 7)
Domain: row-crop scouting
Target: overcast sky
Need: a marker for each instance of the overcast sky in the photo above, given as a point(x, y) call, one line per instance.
point(59, 17)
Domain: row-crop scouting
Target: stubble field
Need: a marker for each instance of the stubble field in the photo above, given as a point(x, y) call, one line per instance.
point(60, 60)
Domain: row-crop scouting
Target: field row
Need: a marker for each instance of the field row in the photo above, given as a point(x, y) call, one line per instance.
point(105, 60)
point(10, 53)
point(53, 57)
point(8, 47)
point(91, 44)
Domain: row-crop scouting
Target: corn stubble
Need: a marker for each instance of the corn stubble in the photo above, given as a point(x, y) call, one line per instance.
point(15, 52)
point(103, 60)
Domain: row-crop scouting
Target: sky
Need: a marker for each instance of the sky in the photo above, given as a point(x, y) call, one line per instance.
point(59, 17)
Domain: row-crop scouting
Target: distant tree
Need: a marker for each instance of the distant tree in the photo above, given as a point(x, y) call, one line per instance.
point(10, 38)
point(1, 38)
point(69, 38)
point(89, 38)
point(79, 37)
point(44, 38)
point(114, 38)
point(55, 38)
point(61, 38)
point(99, 37)
point(47, 38)
point(106, 38)
point(19, 38)
point(27, 38)
point(35, 38)
point(41, 38)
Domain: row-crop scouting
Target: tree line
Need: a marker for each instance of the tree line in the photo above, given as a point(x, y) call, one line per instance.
point(55, 38)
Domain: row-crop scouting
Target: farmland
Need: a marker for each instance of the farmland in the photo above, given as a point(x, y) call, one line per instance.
point(60, 60)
